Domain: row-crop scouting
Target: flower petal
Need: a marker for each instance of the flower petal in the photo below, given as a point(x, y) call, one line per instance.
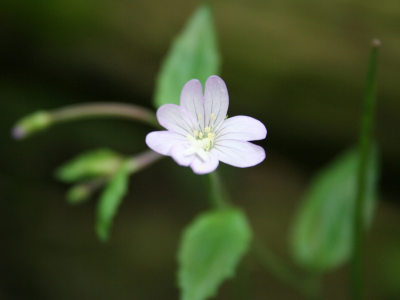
point(176, 119)
point(239, 153)
point(201, 167)
point(241, 128)
point(178, 154)
point(216, 102)
point(162, 141)
point(193, 101)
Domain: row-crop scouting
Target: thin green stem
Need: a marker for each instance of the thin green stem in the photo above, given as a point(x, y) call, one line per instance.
point(217, 194)
point(364, 148)
point(305, 284)
point(119, 110)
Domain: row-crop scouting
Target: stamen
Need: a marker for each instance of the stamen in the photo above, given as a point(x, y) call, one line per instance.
point(196, 133)
point(211, 136)
point(212, 117)
point(207, 129)
point(200, 135)
point(200, 117)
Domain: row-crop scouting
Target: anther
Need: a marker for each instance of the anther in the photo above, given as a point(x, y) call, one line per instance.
point(201, 135)
point(200, 117)
point(196, 133)
point(207, 129)
point(212, 117)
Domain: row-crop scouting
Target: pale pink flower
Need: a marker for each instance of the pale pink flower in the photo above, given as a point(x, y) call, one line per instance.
point(199, 135)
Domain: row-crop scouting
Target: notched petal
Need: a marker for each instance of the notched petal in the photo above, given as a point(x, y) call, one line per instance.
point(162, 141)
point(239, 154)
point(216, 102)
point(200, 167)
point(241, 128)
point(193, 101)
point(176, 119)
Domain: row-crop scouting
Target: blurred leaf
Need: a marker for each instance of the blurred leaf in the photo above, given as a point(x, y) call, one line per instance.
point(210, 250)
point(110, 201)
point(194, 54)
point(323, 231)
point(97, 163)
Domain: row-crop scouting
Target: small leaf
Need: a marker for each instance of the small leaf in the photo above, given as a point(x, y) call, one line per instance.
point(210, 250)
point(194, 54)
point(97, 163)
point(324, 228)
point(110, 201)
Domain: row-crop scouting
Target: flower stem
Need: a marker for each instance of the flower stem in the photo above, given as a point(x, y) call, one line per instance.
point(364, 148)
point(119, 110)
point(218, 196)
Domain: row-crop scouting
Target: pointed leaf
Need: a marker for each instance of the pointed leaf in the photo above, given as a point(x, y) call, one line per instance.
point(210, 250)
point(323, 231)
point(194, 54)
point(97, 163)
point(110, 201)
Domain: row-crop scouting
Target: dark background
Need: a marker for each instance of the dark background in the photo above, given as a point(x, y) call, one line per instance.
point(298, 66)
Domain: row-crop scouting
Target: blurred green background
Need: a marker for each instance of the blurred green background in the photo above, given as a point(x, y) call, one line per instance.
point(299, 66)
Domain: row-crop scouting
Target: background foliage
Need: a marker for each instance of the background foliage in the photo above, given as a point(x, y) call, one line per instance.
point(298, 66)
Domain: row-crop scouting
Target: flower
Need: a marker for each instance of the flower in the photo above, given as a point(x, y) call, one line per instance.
point(200, 135)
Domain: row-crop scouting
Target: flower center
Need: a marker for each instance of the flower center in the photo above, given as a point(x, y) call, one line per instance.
point(200, 143)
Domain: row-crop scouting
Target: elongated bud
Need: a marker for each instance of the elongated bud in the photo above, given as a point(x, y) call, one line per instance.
point(35, 122)
point(93, 164)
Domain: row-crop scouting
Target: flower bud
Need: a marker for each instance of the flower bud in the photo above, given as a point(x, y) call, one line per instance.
point(32, 123)
point(91, 165)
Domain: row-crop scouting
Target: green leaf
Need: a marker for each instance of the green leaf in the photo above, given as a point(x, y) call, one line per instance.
point(194, 54)
point(211, 248)
point(97, 163)
point(324, 229)
point(110, 201)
